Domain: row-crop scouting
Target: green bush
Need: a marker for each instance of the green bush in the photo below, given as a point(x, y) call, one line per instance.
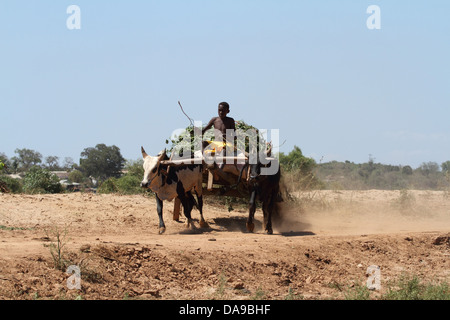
point(108, 186)
point(406, 287)
point(298, 170)
point(412, 288)
point(127, 184)
point(357, 292)
point(77, 176)
point(11, 184)
point(39, 180)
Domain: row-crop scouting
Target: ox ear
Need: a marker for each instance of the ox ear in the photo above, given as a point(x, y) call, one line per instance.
point(162, 155)
point(144, 154)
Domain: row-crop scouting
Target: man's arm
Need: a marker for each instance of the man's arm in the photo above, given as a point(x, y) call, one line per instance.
point(232, 128)
point(208, 126)
point(231, 124)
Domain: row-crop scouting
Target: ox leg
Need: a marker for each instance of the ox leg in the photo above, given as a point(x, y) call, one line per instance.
point(187, 209)
point(187, 201)
point(251, 211)
point(159, 209)
point(203, 223)
point(267, 210)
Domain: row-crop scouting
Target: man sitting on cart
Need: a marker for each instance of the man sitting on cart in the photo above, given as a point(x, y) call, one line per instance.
point(224, 130)
point(224, 133)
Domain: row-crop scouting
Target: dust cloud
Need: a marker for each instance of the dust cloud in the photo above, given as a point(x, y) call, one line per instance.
point(364, 212)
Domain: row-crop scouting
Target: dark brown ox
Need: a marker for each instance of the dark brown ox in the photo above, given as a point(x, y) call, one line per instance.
point(265, 188)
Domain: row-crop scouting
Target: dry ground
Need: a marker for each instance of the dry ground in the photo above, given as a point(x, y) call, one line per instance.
point(323, 246)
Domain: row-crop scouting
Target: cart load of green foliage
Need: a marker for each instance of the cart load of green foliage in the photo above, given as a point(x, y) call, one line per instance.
point(187, 140)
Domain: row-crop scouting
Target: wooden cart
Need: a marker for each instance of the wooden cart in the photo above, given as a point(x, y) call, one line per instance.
point(217, 181)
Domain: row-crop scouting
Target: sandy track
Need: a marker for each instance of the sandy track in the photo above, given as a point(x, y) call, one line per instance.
point(325, 244)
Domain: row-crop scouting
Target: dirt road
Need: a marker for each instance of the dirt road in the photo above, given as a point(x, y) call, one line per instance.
point(324, 246)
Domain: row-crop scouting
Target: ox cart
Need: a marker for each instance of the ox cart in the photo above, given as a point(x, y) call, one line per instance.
point(230, 179)
point(236, 176)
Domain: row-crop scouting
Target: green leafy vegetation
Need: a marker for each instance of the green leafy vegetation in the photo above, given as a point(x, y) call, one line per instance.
point(102, 162)
point(190, 140)
point(413, 288)
point(57, 248)
point(357, 292)
point(297, 171)
point(104, 167)
point(27, 173)
point(352, 176)
point(405, 287)
point(128, 183)
point(8, 184)
point(39, 180)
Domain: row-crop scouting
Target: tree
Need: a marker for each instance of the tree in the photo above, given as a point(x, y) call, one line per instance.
point(428, 168)
point(52, 163)
point(298, 170)
point(77, 176)
point(102, 162)
point(68, 163)
point(26, 159)
point(446, 166)
point(407, 170)
point(4, 161)
point(295, 160)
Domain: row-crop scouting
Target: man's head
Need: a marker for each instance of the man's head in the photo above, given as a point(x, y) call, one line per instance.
point(224, 109)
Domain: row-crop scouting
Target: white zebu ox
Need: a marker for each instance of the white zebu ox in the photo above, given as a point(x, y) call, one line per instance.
point(178, 181)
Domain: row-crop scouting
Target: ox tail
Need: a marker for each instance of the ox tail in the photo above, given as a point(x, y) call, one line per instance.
point(193, 201)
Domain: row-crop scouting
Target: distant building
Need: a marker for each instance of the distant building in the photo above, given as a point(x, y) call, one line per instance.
point(62, 175)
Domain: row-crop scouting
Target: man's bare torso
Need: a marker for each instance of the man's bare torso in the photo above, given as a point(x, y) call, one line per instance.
point(221, 126)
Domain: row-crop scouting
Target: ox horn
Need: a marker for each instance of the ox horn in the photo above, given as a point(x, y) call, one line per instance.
point(144, 154)
point(269, 151)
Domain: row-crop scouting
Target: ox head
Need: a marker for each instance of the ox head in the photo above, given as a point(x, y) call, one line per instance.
point(151, 166)
point(255, 169)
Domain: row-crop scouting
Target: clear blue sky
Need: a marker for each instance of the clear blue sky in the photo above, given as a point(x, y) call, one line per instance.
point(311, 69)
